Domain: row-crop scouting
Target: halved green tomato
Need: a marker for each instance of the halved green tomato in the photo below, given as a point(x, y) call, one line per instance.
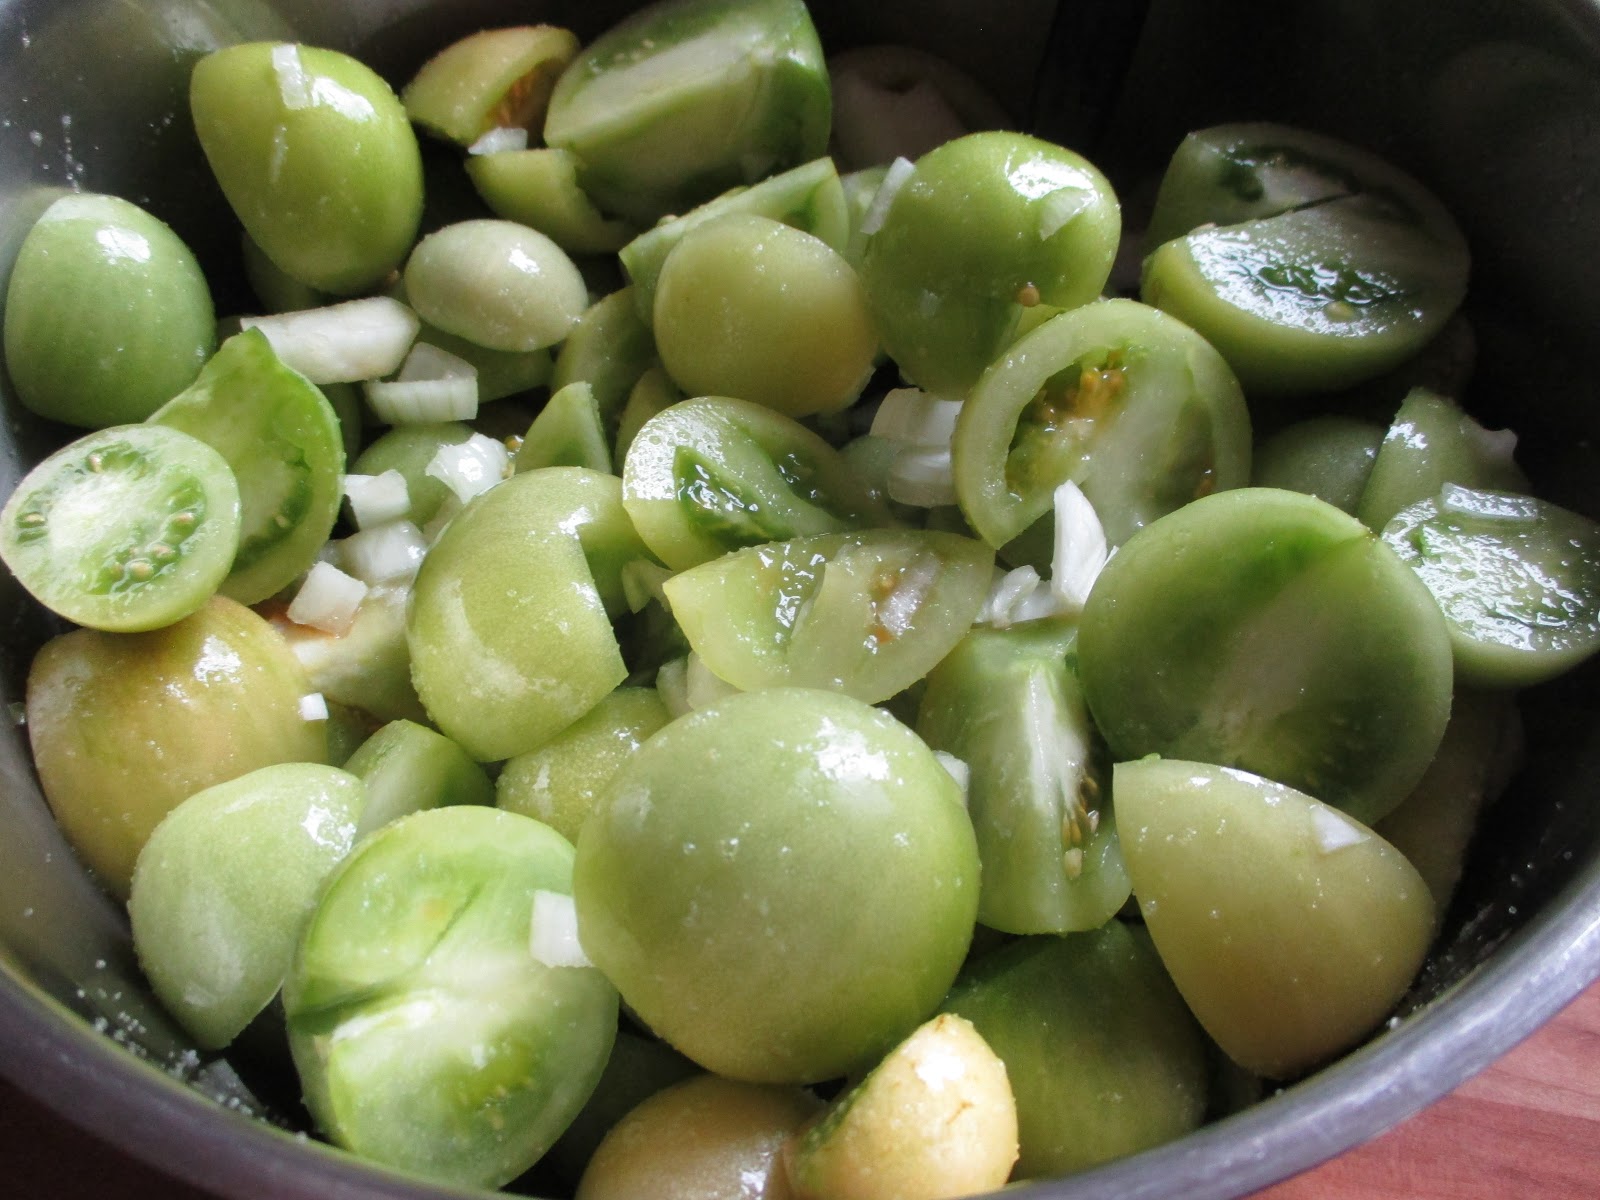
point(281, 437)
point(127, 529)
point(492, 79)
point(1267, 630)
point(1518, 580)
point(867, 614)
point(1126, 402)
point(713, 474)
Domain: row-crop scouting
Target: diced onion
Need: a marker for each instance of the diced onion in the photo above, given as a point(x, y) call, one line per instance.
point(701, 685)
point(1498, 446)
point(553, 931)
point(672, 685)
point(294, 85)
point(313, 707)
point(893, 180)
point(327, 600)
point(470, 468)
point(500, 140)
point(641, 583)
point(923, 478)
point(375, 499)
point(385, 553)
point(1080, 548)
point(1009, 589)
point(958, 769)
point(433, 385)
point(1334, 830)
point(916, 418)
point(342, 343)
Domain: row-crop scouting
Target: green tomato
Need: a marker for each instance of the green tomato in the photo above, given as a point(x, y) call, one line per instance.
point(492, 79)
point(107, 315)
point(1329, 457)
point(1267, 630)
point(1104, 1059)
point(985, 226)
point(688, 97)
point(127, 529)
point(539, 188)
point(568, 432)
point(747, 306)
point(866, 614)
point(409, 449)
point(782, 885)
point(1290, 929)
point(1130, 405)
point(409, 768)
point(126, 726)
point(609, 348)
point(224, 884)
point(432, 1029)
point(316, 156)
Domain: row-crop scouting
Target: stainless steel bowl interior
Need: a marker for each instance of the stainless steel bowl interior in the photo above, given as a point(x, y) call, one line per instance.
point(1495, 103)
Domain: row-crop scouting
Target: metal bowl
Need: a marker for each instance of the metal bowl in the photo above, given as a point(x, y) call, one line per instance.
point(1495, 103)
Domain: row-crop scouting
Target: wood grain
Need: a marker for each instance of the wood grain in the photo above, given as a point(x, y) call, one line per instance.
point(1528, 1128)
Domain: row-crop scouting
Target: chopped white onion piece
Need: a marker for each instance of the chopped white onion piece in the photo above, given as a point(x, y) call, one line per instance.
point(327, 600)
point(1491, 506)
point(1334, 830)
point(1009, 589)
point(427, 361)
point(472, 467)
point(553, 931)
point(916, 418)
point(923, 478)
point(1058, 208)
point(1080, 548)
point(342, 343)
point(294, 85)
point(641, 583)
point(433, 385)
point(672, 685)
point(313, 707)
point(893, 180)
point(384, 553)
point(1497, 446)
point(500, 139)
point(958, 769)
point(701, 685)
point(375, 499)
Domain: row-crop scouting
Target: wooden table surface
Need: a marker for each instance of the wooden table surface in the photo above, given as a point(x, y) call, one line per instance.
point(1528, 1128)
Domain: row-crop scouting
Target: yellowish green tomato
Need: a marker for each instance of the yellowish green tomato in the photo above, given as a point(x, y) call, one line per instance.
point(782, 885)
point(440, 1015)
point(224, 884)
point(107, 315)
point(1102, 1056)
point(688, 97)
point(492, 79)
point(609, 349)
point(749, 307)
point(316, 156)
point(986, 225)
point(406, 767)
point(1267, 630)
point(1329, 457)
point(539, 188)
point(1290, 928)
point(126, 726)
point(568, 432)
point(706, 1138)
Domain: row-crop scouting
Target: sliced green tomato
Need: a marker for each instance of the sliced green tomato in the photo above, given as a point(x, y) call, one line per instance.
point(368, 667)
point(1007, 703)
point(1124, 401)
point(1329, 457)
point(1315, 299)
point(130, 528)
point(688, 97)
point(428, 1033)
point(1290, 929)
point(1103, 1058)
point(809, 197)
point(509, 638)
point(224, 884)
point(409, 768)
point(539, 188)
point(986, 226)
point(566, 433)
point(493, 79)
point(609, 349)
point(107, 314)
point(713, 474)
point(867, 614)
point(1518, 580)
point(316, 157)
point(1267, 630)
point(1431, 443)
point(282, 439)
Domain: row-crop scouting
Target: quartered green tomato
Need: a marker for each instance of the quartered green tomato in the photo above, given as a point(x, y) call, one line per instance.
point(568, 432)
point(224, 884)
point(1124, 401)
point(1518, 580)
point(282, 439)
point(782, 885)
point(713, 474)
point(867, 614)
point(539, 188)
point(107, 315)
point(440, 1014)
point(127, 529)
point(1103, 1058)
point(1007, 703)
point(986, 225)
point(1267, 630)
point(1319, 297)
point(1290, 929)
point(609, 349)
point(688, 97)
point(407, 768)
point(1329, 457)
point(492, 79)
point(316, 156)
